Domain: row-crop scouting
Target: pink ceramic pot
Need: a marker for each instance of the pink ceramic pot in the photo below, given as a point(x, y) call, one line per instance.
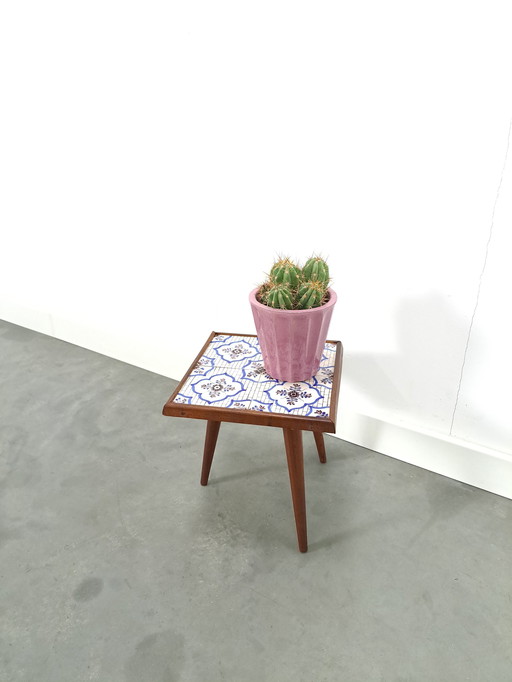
point(291, 341)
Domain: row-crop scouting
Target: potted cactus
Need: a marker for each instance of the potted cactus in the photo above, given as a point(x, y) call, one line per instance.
point(292, 310)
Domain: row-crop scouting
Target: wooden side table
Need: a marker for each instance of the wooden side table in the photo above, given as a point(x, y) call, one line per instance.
point(228, 383)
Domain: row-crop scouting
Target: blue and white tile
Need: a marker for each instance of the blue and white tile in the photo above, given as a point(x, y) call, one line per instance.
point(325, 376)
point(320, 411)
point(328, 355)
point(183, 399)
point(255, 405)
point(237, 351)
point(326, 393)
point(216, 342)
point(216, 388)
point(293, 396)
point(232, 351)
point(231, 374)
point(203, 365)
point(255, 371)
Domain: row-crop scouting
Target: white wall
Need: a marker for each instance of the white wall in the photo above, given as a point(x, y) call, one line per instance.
point(156, 156)
point(484, 405)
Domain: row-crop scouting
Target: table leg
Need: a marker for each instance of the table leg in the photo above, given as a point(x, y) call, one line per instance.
point(212, 431)
point(320, 446)
point(295, 457)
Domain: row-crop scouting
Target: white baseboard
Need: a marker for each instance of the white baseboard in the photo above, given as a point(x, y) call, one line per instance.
point(112, 342)
point(461, 460)
point(23, 316)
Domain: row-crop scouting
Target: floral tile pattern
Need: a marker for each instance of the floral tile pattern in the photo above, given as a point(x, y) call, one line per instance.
point(294, 395)
point(215, 387)
point(230, 373)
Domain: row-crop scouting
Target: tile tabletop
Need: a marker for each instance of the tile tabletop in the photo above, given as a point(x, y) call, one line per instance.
point(229, 374)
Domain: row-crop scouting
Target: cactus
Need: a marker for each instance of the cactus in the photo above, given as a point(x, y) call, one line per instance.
point(284, 271)
point(311, 294)
point(316, 269)
point(288, 287)
point(279, 296)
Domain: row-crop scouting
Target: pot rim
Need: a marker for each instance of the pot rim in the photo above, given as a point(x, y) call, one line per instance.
point(254, 301)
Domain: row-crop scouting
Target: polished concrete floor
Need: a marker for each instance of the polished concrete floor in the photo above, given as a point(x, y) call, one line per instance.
point(116, 565)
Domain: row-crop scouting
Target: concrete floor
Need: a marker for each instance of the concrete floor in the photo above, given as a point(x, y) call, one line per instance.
point(116, 565)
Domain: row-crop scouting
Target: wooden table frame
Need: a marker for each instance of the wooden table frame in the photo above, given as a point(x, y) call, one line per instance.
point(292, 426)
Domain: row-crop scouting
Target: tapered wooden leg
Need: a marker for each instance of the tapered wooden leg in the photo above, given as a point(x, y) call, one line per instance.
point(295, 457)
point(212, 431)
point(320, 446)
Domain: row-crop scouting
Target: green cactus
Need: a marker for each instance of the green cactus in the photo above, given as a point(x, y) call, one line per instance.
point(288, 287)
point(284, 271)
point(279, 296)
point(311, 294)
point(316, 269)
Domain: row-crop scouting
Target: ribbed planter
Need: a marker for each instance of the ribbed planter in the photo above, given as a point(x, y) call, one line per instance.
point(292, 341)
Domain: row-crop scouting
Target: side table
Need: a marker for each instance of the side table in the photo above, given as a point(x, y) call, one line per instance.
point(228, 383)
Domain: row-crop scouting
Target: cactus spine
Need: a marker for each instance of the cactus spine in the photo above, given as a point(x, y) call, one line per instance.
point(311, 294)
point(289, 287)
point(279, 296)
point(286, 272)
point(316, 269)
